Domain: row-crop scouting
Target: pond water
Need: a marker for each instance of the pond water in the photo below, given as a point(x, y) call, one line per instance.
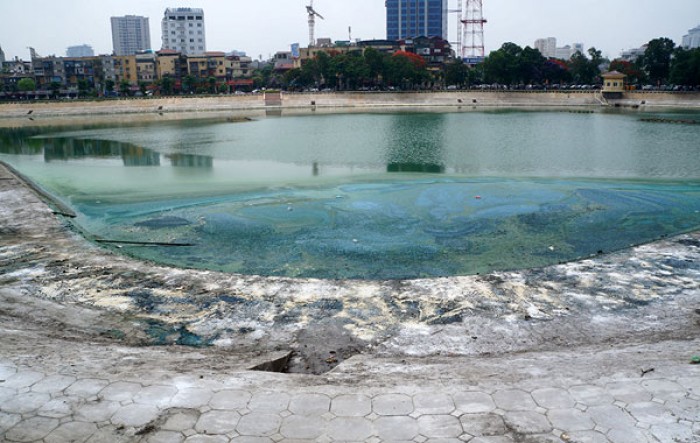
point(374, 195)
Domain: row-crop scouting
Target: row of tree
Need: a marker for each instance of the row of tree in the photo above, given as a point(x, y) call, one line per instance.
point(661, 64)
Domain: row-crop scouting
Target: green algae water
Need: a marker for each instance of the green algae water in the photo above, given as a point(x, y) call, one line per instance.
point(374, 195)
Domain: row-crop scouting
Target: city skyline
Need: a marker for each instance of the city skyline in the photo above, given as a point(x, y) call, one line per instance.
point(266, 26)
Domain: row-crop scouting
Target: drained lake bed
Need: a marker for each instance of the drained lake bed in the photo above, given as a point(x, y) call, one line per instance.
point(372, 196)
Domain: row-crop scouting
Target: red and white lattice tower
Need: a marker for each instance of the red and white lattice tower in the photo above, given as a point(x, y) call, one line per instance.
point(471, 37)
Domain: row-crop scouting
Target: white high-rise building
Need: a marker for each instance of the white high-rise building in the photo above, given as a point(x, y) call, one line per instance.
point(546, 46)
point(130, 34)
point(692, 40)
point(183, 31)
point(2, 57)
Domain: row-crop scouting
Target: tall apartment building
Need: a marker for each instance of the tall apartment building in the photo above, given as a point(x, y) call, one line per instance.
point(130, 34)
point(407, 19)
point(184, 31)
point(80, 51)
point(2, 57)
point(547, 46)
point(692, 40)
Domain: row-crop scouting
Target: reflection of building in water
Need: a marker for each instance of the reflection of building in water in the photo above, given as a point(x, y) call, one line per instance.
point(191, 161)
point(137, 156)
point(416, 144)
point(66, 149)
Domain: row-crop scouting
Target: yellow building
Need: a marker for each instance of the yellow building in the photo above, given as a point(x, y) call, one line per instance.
point(613, 82)
point(168, 63)
point(125, 69)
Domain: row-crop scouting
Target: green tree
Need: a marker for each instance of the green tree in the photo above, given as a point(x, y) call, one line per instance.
point(585, 70)
point(457, 73)
point(83, 87)
point(211, 81)
point(109, 85)
point(685, 67)
point(656, 60)
point(166, 85)
point(125, 87)
point(55, 88)
point(26, 84)
point(503, 65)
point(634, 74)
point(142, 87)
point(189, 84)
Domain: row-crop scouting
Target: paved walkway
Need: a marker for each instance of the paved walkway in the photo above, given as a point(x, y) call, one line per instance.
point(54, 390)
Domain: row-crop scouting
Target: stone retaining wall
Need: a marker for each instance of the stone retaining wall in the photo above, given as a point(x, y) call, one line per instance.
point(346, 100)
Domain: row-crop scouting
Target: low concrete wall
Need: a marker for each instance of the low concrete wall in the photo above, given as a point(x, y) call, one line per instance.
point(131, 106)
point(346, 100)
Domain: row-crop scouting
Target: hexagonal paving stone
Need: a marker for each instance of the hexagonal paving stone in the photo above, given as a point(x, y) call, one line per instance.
point(9, 420)
point(86, 387)
point(587, 437)
point(591, 395)
point(25, 403)
point(53, 384)
point(496, 439)
point(485, 425)
point(351, 405)
point(303, 427)
point(628, 391)
point(75, 431)
point(392, 404)
point(439, 426)
point(570, 420)
point(527, 422)
point(155, 395)
point(514, 400)
point(629, 435)
point(651, 413)
point(396, 428)
point(309, 404)
point(180, 419)
point(96, 411)
point(551, 398)
point(610, 417)
point(6, 394)
point(165, 437)
point(59, 407)
point(665, 389)
point(674, 432)
point(110, 434)
point(135, 415)
point(207, 439)
point(217, 422)
point(259, 425)
point(32, 429)
point(230, 399)
point(269, 402)
point(350, 429)
point(433, 404)
point(121, 391)
point(191, 398)
point(474, 402)
point(22, 379)
point(247, 439)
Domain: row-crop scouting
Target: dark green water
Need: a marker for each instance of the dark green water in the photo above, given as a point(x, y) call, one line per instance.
point(374, 196)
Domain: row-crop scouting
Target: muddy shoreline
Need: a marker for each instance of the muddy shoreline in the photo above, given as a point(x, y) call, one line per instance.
point(53, 278)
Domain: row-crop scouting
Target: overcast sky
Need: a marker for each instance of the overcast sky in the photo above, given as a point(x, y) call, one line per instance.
point(262, 27)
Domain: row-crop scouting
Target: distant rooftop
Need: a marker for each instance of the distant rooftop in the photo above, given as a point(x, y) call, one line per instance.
point(192, 10)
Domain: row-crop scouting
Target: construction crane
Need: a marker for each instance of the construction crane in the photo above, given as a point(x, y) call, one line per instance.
point(312, 22)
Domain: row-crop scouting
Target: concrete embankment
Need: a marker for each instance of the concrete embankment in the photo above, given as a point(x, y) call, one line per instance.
point(347, 100)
